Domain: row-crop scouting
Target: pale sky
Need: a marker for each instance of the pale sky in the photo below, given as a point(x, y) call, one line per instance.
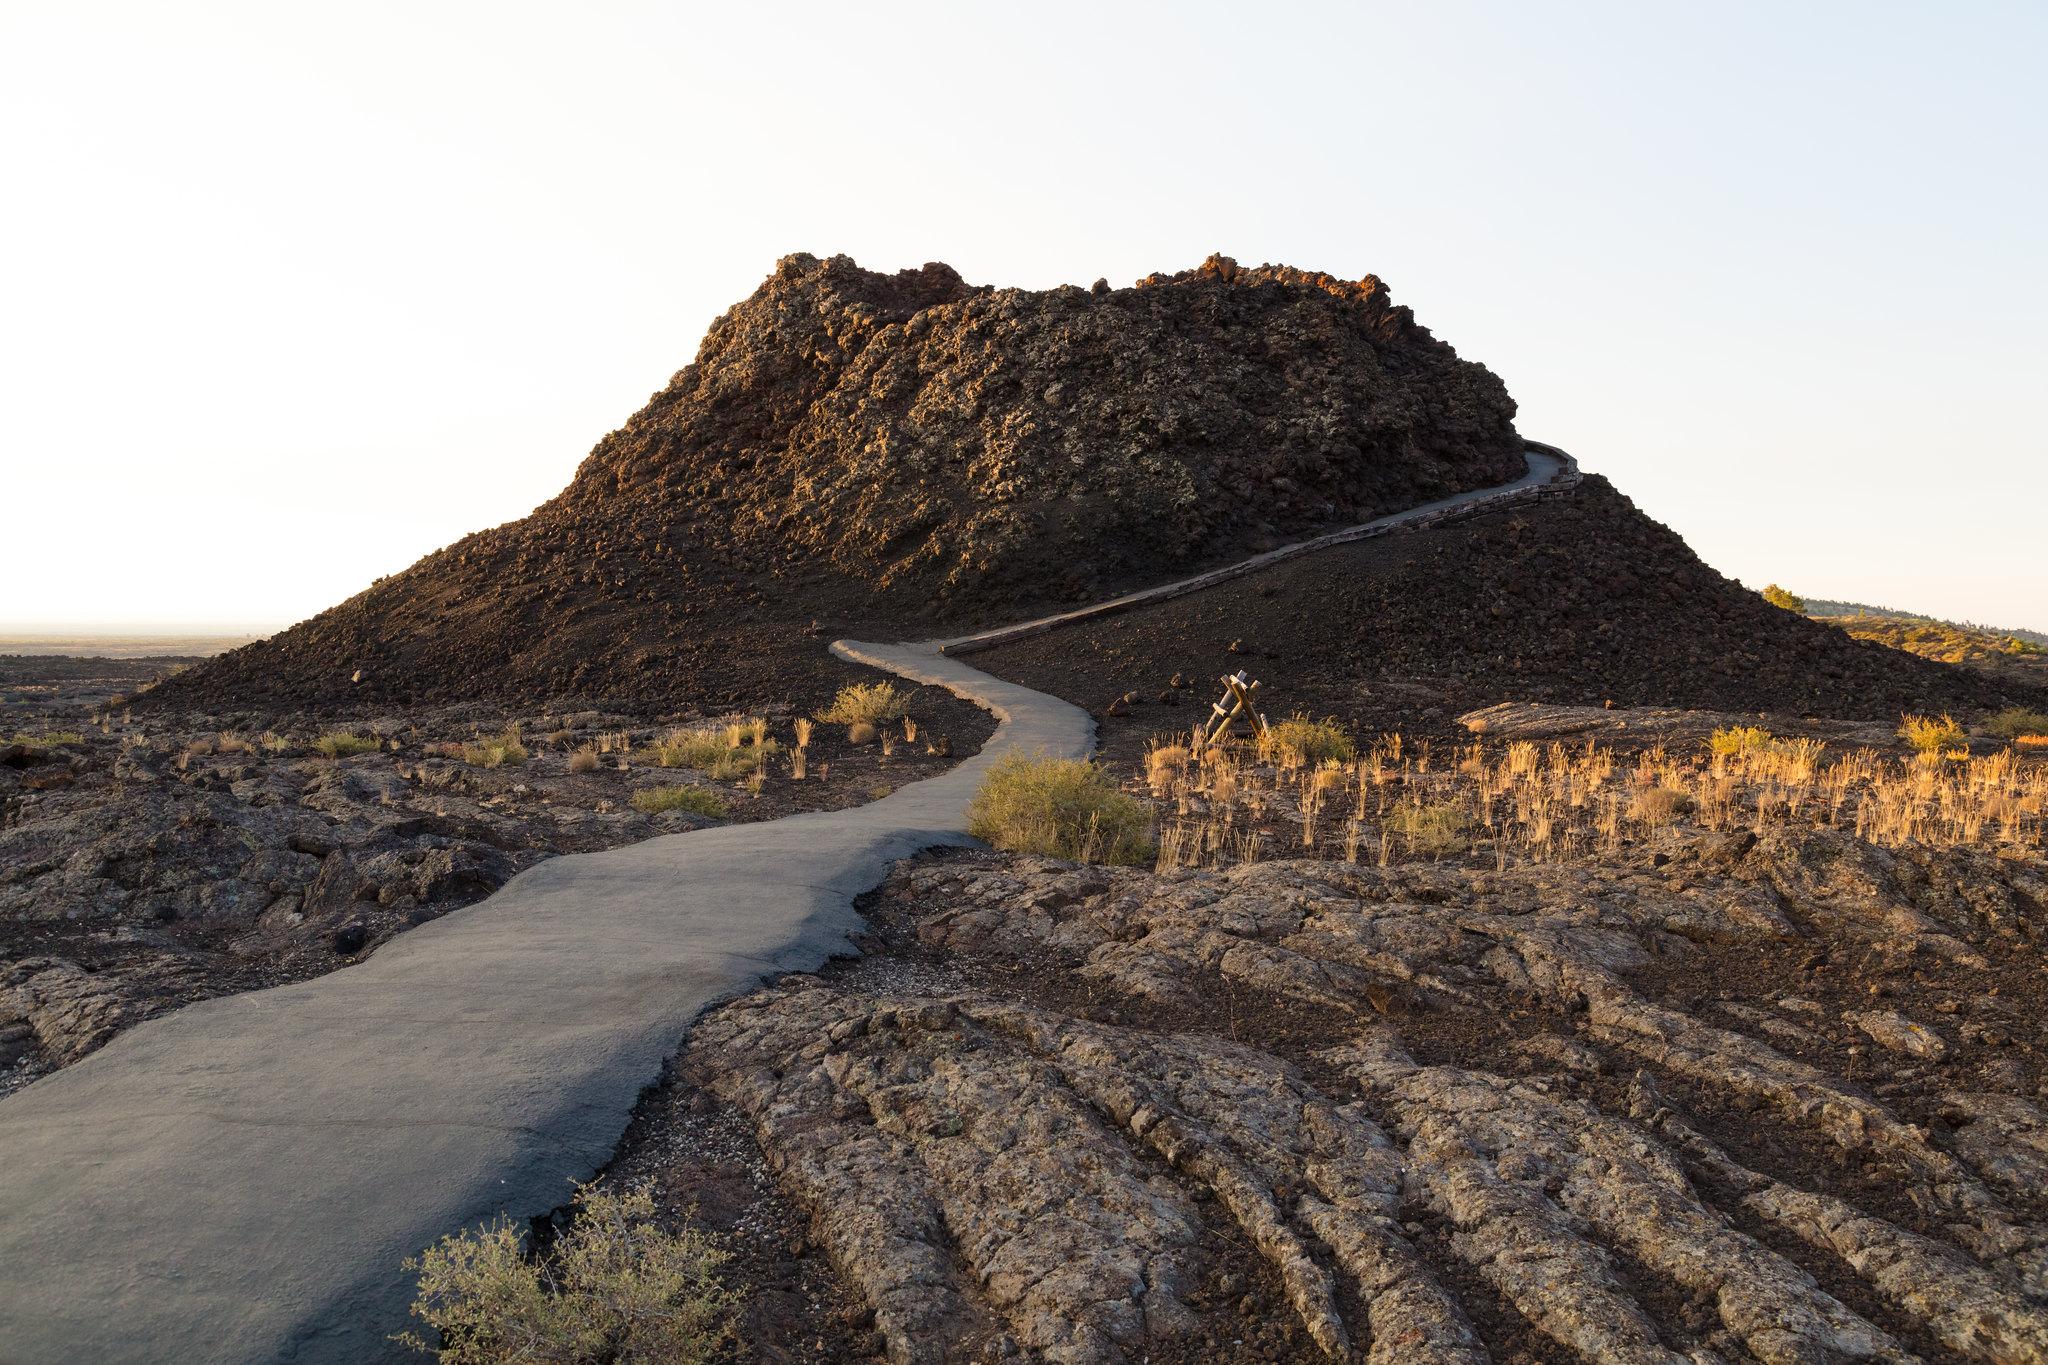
point(291, 294)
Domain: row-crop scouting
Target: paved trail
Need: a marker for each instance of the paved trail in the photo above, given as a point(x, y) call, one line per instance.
point(239, 1180)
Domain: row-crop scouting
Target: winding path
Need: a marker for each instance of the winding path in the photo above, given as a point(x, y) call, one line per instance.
point(239, 1180)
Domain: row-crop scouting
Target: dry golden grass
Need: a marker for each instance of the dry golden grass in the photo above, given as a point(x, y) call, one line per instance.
point(495, 751)
point(343, 744)
point(695, 800)
point(1165, 765)
point(723, 752)
point(1531, 802)
point(584, 759)
point(1659, 805)
point(860, 732)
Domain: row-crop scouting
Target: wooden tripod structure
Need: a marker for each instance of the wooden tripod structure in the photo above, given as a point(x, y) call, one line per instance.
point(1237, 701)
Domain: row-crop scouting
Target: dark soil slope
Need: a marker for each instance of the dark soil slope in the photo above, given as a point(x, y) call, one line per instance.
point(1579, 600)
point(876, 451)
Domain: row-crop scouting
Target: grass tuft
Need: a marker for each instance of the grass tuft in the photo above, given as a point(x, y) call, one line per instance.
point(495, 751)
point(1432, 829)
point(1660, 805)
point(722, 752)
point(691, 800)
point(345, 744)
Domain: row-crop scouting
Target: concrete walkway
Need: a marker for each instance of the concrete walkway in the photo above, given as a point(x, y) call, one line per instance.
point(239, 1180)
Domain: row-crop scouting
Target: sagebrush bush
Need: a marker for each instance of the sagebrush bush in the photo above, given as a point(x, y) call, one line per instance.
point(584, 759)
point(1931, 735)
point(613, 1287)
point(693, 800)
point(1303, 743)
point(2015, 722)
point(343, 744)
point(866, 703)
point(1062, 807)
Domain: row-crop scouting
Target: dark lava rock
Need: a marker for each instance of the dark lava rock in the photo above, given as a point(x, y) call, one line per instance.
point(863, 447)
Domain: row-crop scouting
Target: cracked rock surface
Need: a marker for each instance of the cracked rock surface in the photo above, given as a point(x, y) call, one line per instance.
point(1319, 1111)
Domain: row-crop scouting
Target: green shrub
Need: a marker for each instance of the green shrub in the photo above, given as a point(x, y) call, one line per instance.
point(693, 800)
point(1928, 735)
point(614, 1287)
point(496, 751)
point(2017, 721)
point(1307, 743)
point(1062, 807)
point(1778, 597)
point(866, 703)
point(343, 744)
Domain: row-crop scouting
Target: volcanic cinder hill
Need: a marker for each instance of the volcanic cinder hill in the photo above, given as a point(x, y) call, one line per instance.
point(898, 454)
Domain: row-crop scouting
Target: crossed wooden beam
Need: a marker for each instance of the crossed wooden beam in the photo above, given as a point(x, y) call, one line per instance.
point(1237, 701)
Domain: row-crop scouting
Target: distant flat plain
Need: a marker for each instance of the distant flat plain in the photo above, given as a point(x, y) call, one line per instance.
point(109, 644)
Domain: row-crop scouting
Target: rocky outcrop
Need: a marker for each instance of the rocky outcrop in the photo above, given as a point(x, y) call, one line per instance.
point(877, 448)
